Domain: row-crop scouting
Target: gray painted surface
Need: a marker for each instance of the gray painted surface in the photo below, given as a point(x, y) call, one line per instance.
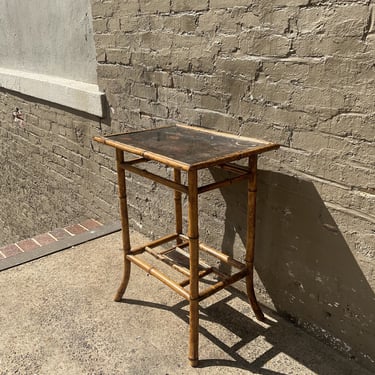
point(67, 52)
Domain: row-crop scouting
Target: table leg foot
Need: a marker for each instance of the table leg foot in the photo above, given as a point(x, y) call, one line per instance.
point(194, 333)
point(193, 362)
point(124, 283)
point(118, 297)
point(253, 301)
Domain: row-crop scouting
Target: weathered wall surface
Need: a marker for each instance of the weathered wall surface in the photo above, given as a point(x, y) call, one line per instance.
point(49, 37)
point(50, 175)
point(297, 72)
point(47, 51)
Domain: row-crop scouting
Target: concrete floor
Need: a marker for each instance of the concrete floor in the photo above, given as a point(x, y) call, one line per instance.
point(57, 316)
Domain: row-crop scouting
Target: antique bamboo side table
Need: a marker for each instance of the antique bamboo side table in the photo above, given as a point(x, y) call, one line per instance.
point(188, 149)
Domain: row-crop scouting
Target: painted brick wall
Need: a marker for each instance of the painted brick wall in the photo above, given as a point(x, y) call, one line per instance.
point(297, 72)
point(50, 175)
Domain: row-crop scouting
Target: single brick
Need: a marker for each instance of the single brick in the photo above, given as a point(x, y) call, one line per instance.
point(10, 250)
point(44, 239)
point(27, 245)
point(189, 5)
point(90, 224)
point(60, 233)
point(75, 229)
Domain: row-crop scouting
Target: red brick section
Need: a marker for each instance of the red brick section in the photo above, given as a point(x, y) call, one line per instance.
point(91, 224)
point(44, 239)
point(76, 229)
point(60, 233)
point(47, 238)
point(27, 245)
point(9, 250)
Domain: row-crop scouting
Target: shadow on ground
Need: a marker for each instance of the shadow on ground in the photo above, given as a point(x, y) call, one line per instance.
point(304, 262)
point(256, 347)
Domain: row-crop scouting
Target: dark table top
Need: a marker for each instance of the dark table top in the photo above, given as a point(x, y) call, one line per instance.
point(187, 147)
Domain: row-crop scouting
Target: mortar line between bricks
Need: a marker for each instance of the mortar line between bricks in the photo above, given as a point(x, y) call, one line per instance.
point(53, 236)
point(18, 247)
point(36, 242)
point(70, 233)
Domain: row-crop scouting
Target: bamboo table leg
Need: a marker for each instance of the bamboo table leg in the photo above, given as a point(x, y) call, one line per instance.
point(193, 235)
point(178, 204)
point(250, 241)
point(125, 224)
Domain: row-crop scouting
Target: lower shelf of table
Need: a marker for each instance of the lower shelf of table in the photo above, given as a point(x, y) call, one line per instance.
point(171, 254)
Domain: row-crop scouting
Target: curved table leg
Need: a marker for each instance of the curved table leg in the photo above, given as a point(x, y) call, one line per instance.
point(124, 282)
point(251, 295)
point(125, 224)
point(250, 241)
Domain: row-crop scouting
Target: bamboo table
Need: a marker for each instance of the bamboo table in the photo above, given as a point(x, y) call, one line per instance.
point(188, 149)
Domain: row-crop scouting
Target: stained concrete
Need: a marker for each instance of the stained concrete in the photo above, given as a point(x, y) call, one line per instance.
point(58, 317)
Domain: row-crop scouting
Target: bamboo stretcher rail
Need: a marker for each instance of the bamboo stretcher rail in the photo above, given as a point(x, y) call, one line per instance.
point(201, 274)
point(157, 242)
point(179, 247)
point(233, 168)
point(154, 177)
point(160, 276)
point(222, 284)
point(219, 255)
point(201, 262)
point(206, 272)
point(136, 161)
point(222, 275)
point(185, 271)
point(223, 183)
point(227, 280)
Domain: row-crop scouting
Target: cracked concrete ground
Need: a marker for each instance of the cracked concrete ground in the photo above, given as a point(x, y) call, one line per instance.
point(57, 316)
